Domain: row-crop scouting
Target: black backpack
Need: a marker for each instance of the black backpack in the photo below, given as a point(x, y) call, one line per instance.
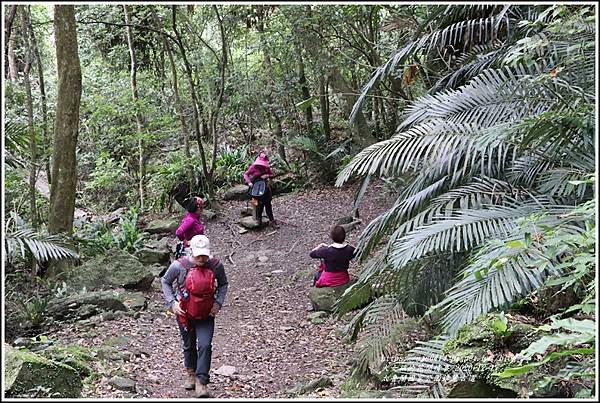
point(259, 188)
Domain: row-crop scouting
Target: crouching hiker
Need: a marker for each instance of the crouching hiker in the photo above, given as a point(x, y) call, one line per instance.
point(189, 290)
point(335, 260)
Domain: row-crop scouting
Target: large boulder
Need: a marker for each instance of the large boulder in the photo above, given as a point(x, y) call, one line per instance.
point(164, 225)
point(157, 251)
point(115, 269)
point(238, 192)
point(27, 372)
point(324, 298)
point(249, 222)
point(84, 305)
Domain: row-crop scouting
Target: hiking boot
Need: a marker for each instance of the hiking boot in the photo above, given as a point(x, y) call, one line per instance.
point(201, 389)
point(273, 224)
point(190, 379)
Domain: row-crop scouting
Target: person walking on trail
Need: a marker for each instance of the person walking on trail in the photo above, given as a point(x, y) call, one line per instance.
point(189, 290)
point(190, 226)
point(335, 260)
point(257, 176)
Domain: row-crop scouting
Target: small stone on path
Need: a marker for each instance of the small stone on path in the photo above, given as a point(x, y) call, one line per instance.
point(225, 370)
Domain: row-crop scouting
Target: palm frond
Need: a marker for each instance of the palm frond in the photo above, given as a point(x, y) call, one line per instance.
point(425, 370)
point(452, 147)
point(470, 65)
point(377, 340)
point(42, 247)
point(494, 96)
point(403, 209)
point(561, 182)
point(475, 32)
point(463, 230)
point(15, 143)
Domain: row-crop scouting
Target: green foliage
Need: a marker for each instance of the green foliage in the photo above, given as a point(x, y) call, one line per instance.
point(494, 160)
point(127, 235)
point(33, 309)
point(425, 370)
point(99, 237)
point(172, 171)
point(108, 177)
point(571, 340)
point(230, 165)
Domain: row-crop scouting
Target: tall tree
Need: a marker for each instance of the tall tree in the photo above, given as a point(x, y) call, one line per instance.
point(138, 114)
point(27, 62)
point(42, 86)
point(64, 165)
point(178, 104)
point(11, 57)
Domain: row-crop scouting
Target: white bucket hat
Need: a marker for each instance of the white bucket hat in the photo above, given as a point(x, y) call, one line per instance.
point(200, 246)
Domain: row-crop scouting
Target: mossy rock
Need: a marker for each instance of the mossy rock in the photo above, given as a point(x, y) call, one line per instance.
point(238, 192)
point(77, 357)
point(26, 372)
point(311, 386)
point(115, 269)
point(324, 298)
point(167, 225)
point(85, 305)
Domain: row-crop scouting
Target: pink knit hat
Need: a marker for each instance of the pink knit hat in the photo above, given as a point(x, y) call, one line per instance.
point(263, 160)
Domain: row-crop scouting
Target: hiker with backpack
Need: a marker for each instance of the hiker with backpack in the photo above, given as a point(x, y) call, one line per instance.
point(189, 290)
point(190, 226)
point(335, 260)
point(257, 177)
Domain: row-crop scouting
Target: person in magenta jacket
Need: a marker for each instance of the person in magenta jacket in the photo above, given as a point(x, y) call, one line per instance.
point(335, 260)
point(191, 225)
point(261, 169)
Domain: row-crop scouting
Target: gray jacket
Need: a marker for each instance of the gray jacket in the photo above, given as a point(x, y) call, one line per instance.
point(174, 279)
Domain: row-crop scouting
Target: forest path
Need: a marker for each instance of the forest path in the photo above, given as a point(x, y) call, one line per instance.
point(263, 329)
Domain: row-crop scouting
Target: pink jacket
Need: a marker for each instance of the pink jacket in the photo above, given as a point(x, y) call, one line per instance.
point(190, 226)
point(254, 171)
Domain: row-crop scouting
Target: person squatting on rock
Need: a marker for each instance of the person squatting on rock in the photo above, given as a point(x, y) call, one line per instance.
point(189, 290)
point(259, 170)
point(190, 224)
point(335, 260)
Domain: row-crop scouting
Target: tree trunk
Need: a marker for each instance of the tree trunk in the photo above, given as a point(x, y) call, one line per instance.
point(64, 165)
point(13, 69)
point(214, 115)
point(29, 105)
point(179, 106)
point(361, 134)
point(46, 140)
point(196, 106)
point(278, 132)
point(8, 45)
point(324, 102)
point(305, 92)
point(138, 115)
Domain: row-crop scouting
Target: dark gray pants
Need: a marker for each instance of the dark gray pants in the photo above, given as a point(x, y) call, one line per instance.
point(197, 346)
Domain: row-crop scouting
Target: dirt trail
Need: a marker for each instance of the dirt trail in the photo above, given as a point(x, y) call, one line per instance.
point(262, 329)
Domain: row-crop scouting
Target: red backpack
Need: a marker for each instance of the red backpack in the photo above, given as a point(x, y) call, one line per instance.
point(200, 289)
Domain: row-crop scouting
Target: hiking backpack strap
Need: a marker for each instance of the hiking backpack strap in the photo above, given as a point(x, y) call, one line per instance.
point(187, 265)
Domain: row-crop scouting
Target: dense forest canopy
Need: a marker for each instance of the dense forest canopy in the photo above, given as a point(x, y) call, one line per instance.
point(478, 118)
